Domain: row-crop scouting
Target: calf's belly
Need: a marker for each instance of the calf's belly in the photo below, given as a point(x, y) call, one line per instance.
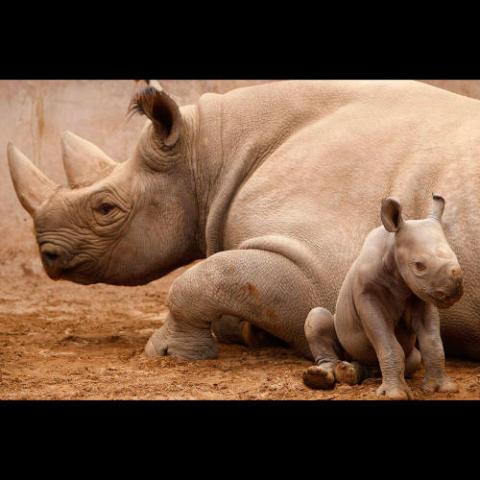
point(358, 347)
point(354, 342)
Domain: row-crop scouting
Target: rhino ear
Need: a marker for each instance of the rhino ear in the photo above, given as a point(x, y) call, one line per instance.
point(155, 84)
point(438, 207)
point(391, 214)
point(161, 109)
point(32, 186)
point(83, 161)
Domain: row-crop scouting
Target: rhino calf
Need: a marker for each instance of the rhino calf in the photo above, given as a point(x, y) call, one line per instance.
point(388, 300)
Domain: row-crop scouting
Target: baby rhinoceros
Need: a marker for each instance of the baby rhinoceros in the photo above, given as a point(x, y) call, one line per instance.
point(387, 302)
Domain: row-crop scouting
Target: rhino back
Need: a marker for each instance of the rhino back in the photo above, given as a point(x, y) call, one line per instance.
point(314, 159)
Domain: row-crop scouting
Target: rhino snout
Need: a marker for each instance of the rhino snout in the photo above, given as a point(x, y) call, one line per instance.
point(55, 259)
point(450, 293)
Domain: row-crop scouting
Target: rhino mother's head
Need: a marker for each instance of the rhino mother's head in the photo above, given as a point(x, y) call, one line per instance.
point(120, 223)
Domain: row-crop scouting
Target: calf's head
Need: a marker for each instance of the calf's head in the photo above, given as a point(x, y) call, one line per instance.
point(120, 223)
point(423, 256)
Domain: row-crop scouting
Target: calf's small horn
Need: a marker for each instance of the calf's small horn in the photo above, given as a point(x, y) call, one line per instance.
point(438, 207)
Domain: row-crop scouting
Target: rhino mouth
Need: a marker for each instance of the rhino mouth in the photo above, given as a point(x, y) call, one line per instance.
point(444, 302)
point(77, 271)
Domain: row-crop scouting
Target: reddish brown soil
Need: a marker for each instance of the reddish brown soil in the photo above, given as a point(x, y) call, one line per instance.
point(59, 340)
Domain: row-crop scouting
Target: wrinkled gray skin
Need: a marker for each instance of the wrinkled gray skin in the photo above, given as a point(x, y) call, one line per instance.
point(277, 185)
point(389, 298)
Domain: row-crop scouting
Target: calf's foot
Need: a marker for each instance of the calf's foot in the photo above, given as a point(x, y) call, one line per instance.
point(444, 385)
point(350, 373)
point(320, 377)
point(395, 391)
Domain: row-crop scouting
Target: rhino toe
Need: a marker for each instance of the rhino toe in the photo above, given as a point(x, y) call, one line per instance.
point(349, 373)
point(151, 351)
point(197, 345)
point(319, 377)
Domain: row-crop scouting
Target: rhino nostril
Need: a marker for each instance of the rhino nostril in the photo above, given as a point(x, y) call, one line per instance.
point(456, 272)
point(50, 256)
point(440, 295)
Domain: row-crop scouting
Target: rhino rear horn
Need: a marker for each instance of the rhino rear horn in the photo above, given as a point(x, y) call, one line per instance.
point(83, 161)
point(32, 186)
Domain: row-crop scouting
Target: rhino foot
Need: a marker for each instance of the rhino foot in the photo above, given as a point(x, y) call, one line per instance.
point(319, 377)
point(185, 343)
point(445, 385)
point(395, 392)
point(349, 373)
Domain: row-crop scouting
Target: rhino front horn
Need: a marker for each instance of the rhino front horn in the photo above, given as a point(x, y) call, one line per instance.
point(83, 161)
point(32, 186)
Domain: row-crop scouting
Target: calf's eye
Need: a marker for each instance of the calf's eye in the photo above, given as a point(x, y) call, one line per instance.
point(105, 208)
point(420, 266)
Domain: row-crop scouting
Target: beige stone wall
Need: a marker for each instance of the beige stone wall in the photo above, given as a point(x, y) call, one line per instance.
point(34, 114)
point(469, 88)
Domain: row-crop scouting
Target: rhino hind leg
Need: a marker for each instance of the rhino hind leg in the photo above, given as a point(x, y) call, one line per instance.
point(233, 330)
point(255, 337)
point(325, 347)
point(228, 329)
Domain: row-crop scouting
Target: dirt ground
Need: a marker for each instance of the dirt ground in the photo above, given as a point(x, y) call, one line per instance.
point(59, 340)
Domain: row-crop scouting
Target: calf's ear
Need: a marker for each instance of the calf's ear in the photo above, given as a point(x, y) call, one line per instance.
point(162, 110)
point(33, 188)
point(391, 214)
point(438, 207)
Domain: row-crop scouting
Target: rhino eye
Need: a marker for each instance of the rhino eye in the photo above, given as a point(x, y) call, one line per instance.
point(105, 208)
point(420, 266)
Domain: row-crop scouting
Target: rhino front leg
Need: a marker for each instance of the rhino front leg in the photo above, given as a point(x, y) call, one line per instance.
point(427, 325)
point(263, 288)
point(182, 340)
point(391, 356)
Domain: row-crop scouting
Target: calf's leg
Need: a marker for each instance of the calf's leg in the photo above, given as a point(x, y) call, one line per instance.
point(325, 347)
point(426, 322)
point(413, 362)
point(327, 353)
point(390, 354)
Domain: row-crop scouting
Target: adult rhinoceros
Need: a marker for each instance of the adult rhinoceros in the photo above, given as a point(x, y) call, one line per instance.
point(277, 186)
